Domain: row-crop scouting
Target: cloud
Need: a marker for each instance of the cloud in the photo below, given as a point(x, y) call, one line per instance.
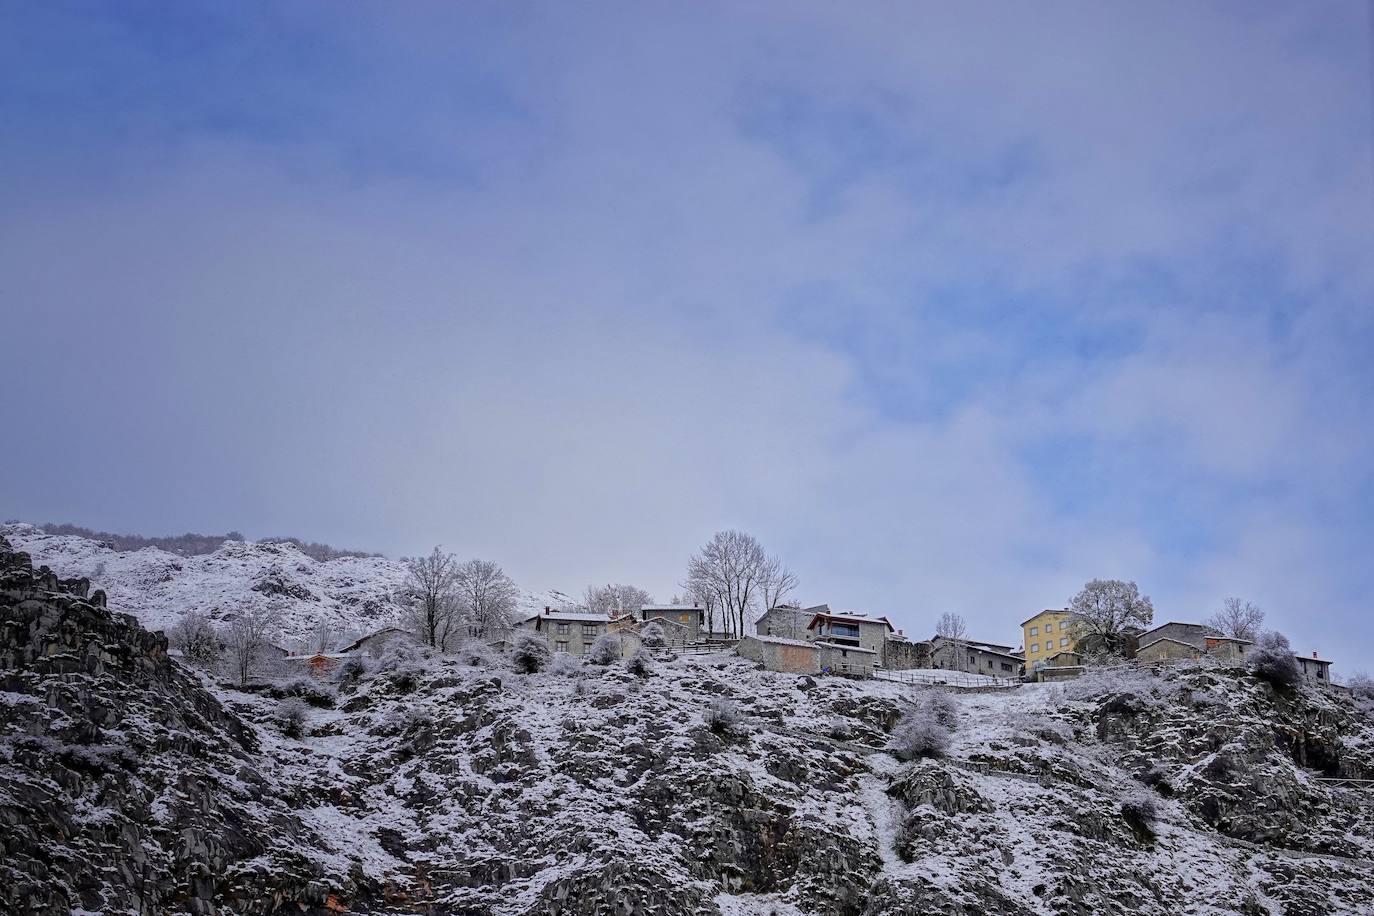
point(954, 310)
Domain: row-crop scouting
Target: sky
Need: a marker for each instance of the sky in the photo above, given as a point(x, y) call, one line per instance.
point(953, 306)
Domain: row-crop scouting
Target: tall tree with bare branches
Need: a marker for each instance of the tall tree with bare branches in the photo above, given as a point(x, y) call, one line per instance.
point(1238, 618)
point(953, 632)
point(616, 600)
point(731, 567)
point(487, 598)
point(776, 582)
point(430, 598)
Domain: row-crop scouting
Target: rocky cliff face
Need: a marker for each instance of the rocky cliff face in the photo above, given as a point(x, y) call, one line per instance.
point(425, 785)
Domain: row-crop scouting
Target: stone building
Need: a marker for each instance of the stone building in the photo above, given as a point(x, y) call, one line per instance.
point(1314, 669)
point(683, 623)
point(849, 629)
point(852, 661)
point(1175, 641)
point(777, 653)
point(572, 632)
point(975, 657)
point(789, 621)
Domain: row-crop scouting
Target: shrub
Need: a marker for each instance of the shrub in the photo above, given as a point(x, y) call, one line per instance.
point(640, 664)
point(403, 665)
point(351, 671)
point(652, 634)
point(531, 653)
point(195, 635)
point(307, 688)
point(1272, 660)
point(1141, 811)
point(722, 716)
point(477, 654)
point(290, 716)
point(605, 650)
point(920, 734)
point(565, 665)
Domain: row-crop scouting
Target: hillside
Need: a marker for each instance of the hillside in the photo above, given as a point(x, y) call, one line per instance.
point(355, 594)
point(456, 785)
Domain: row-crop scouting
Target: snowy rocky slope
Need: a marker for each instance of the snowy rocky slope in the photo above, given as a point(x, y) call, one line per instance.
point(456, 785)
point(356, 595)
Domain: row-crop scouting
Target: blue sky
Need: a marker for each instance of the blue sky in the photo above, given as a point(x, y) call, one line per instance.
point(953, 308)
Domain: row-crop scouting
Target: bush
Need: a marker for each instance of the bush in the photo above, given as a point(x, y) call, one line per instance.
point(307, 688)
point(1272, 660)
point(565, 665)
point(605, 650)
point(403, 665)
point(920, 734)
point(477, 654)
point(1141, 811)
point(351, 671)
point(290, 716)
point(531, 653)
point(640, 664)
point(722, 716)
point(652, 635)
point(195, 635)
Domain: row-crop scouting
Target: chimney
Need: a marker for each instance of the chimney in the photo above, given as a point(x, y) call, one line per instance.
point(1314, 654)
point(547, 611)
point(899, 631)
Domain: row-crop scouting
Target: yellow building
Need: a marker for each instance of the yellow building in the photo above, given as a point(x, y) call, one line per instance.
point(1045, 635)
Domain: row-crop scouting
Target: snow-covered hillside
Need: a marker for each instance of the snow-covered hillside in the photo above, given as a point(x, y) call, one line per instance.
point(355, 595)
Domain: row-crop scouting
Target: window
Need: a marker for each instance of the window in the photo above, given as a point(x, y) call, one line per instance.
point(588, 629)
point(1063, 642)
point(586, 646)
point(1035, 631)
point(989, 663)
point(1320, 672)
point(562, 645)
point(1035, 647)
point(1049, 627)
point(562, 629)
point(1006, 666)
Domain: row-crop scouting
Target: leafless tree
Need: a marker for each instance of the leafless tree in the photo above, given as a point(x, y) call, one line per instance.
point(787, 621)
point(702, 593)
point(953, 631)
point(1103, 611)
point(430, 598)
point(323, 637)
point(616, 600)
point(487, 598)
point(248, 637)
point(776, 582)
point(1238, 618)
point(731, 567)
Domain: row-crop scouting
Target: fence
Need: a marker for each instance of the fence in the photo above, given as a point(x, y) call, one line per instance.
point(959, 679)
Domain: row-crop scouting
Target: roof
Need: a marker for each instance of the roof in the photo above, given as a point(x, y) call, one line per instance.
point(995, 648)
point(1230, 639)
point(669, 607)
point(1048, 610)
point(849, 618)
point(1169, 639)
point(576, 616)
point(309, 655)
point(1311, 658)
point(834, 646)
point(357, 643)
point(778, 640)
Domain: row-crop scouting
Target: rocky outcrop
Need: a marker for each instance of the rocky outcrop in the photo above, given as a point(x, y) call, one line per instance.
point(125, 786)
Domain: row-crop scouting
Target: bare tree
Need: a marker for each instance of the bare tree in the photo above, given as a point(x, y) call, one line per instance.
point(247, 638)
point(324, 636)
point(702, 592)
point(1102, 613)
point(776, 582)
point(487, 598)
point(953, 631)
point(616, 600)
point(1238, 618)
point(730, 566)
point(430, 600)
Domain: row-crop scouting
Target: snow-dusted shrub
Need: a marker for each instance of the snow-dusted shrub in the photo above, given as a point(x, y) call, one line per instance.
point(565, 665)
point(920, 733)
point(640, 663)
point(290, 716)
point(531, 653)
point(722, 716)
point(1272, 660)
point(1157, 778)
point(840, 728)
point(1361, 686)
point(351, 671)
point(195, 635)
point(652, 635)
point(1141, 811)
point(942, 706)
point(476, 654)
point(402, 665)
point(309, 689)
point(605, 650)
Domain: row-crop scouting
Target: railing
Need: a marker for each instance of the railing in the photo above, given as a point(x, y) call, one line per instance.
point(959, 679)
point(1341, 782)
